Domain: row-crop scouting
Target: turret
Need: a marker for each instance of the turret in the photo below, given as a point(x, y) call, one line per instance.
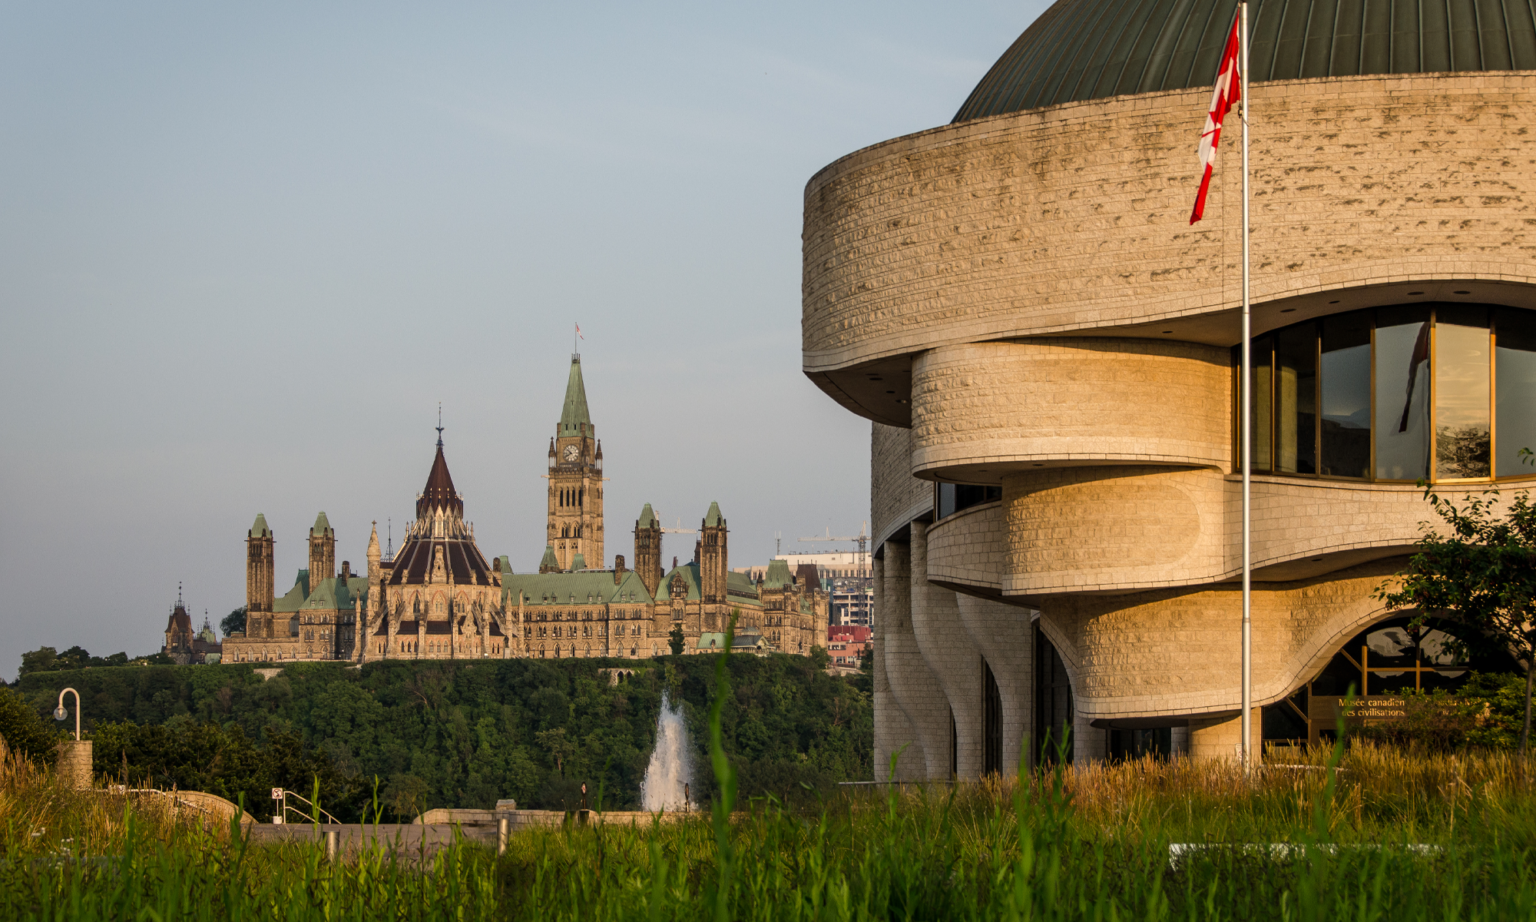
point(648, 549)
point(322, 551)
point(259, 574)
point(373, 554)
point(549, 564)
point(713, 561)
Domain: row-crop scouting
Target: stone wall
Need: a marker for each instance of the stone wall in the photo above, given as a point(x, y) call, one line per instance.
point(981, 409)
point(1076, 217)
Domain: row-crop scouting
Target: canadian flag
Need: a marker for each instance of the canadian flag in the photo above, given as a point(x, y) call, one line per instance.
point(1228, 91)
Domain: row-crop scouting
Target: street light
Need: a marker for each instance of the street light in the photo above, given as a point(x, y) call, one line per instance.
point(59, 713)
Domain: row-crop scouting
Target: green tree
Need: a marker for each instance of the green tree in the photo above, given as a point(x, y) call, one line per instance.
point(22, 731)
point(75, 657)
point(675, 640)
point(406, 795)
point(559, 747)
point(234, 621)
point(39, 660)
point(1479, 573)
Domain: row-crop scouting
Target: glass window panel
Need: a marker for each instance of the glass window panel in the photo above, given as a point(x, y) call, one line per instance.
point(946, 500)
point(1296, 399)
point(1462, 392)
point(1402, 393)
point(1262, 347)
point(1346, 387)
point(1515, 391)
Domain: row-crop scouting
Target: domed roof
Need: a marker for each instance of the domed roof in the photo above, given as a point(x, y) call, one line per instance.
point(1091, 49)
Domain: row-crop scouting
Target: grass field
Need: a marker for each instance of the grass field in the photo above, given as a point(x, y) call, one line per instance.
point(1087, 843)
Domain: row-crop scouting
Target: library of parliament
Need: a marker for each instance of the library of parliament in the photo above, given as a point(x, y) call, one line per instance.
point(439, 597)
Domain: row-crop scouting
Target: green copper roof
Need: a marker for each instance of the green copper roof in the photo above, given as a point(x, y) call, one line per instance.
point(713, 517)
point(647, 517)
point(578, 562)
point(1093, 49)
point(561, 588)
point(504, 565)
point(778, 575)
point(739, 587)
point(574, 413)
point(337, 593)
point(690, 574)
point(548, 562)
point(293, 600)
point(322, 525)
point(260, 529)
point(740, 584)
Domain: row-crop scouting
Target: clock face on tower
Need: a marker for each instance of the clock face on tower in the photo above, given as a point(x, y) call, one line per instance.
point(572, 453)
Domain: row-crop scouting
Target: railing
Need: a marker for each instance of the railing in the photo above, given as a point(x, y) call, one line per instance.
point(281, 816)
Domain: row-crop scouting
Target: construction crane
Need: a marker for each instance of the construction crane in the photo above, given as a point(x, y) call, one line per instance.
point(861, 539)
point(679, 530)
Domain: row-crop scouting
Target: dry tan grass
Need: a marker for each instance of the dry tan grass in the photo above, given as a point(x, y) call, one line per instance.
point(40, 814)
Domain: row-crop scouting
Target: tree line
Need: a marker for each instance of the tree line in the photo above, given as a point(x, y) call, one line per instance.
point(418, 735)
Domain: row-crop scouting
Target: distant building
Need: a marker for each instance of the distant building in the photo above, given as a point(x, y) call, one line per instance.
point(847, 581)
point(440, 598)
point(846, 645)
point(185, 647)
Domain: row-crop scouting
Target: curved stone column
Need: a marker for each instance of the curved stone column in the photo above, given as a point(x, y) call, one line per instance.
point(913, 686)
point(892, 729)
point(948, 650)
point(1006, 638)
point(1220, 737)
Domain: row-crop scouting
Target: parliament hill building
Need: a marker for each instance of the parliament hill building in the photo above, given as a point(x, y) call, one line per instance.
point(440, 598)
point(1047, 353)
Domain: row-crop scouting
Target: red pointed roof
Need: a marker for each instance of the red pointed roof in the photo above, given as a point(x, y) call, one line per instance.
point(439, 491)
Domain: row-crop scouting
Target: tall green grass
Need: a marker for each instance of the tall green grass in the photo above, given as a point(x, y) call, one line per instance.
point(1084, 843)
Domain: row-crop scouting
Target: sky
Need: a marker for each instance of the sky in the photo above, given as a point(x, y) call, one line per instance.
point(247, 250)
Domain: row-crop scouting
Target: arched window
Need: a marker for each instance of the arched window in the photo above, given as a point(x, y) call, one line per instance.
point(1438, 391)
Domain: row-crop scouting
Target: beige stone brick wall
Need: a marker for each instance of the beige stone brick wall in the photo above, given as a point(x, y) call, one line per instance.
point(1221, 737)
point(969, 550)
point(1178, 652)
point(1096, 528)
point(1120, 528)
point(895, 496)
point(990, 407)
point(1076, 216)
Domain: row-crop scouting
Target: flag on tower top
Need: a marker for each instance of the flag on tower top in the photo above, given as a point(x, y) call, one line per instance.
point(578, 331)
point(1228, 92)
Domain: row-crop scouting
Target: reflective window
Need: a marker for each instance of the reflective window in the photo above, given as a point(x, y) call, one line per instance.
point(1463, 429)
point(1296, 399)
point(1402, 393)
point(1346, 395)
point(950, 498)
point(1514, 364)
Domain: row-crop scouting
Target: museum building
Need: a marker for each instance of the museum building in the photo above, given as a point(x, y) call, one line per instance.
point(1048, 353)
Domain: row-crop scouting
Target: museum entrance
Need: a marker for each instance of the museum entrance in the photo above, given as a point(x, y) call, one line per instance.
point(1375, 667)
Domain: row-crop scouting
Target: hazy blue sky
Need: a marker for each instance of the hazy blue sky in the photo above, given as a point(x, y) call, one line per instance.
point(246, 250)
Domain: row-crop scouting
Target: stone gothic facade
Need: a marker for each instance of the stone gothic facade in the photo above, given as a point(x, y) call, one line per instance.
point(440, 598)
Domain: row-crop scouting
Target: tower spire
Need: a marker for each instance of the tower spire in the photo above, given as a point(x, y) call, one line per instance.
point(439, 424)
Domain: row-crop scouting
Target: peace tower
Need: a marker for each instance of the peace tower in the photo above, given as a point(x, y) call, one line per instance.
point(575, 529)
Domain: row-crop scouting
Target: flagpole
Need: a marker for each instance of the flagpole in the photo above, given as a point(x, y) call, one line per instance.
point(1247, 398)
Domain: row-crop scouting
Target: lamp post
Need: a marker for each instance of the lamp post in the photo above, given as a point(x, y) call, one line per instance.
point(74, 755)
